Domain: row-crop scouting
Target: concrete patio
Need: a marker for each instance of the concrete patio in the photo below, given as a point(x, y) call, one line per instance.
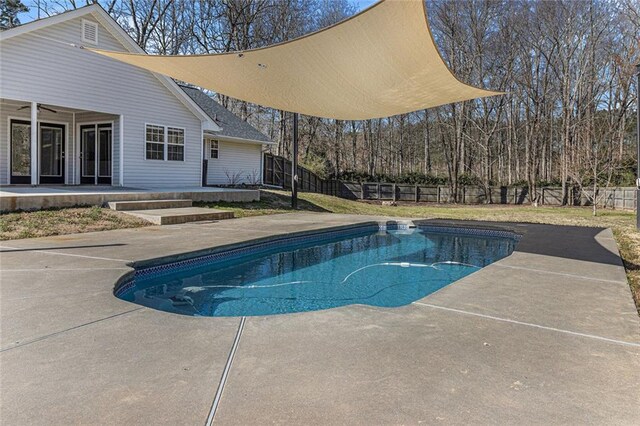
point(25, 197)
point(548, 335)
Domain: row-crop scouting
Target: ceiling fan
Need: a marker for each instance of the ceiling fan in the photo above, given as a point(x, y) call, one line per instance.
point(40, 106)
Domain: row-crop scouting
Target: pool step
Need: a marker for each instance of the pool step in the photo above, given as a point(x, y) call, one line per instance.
point(175, 216)
point(148, 204)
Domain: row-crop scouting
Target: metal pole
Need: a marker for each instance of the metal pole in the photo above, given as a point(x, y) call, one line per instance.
point(294, 164)
point(638, 146)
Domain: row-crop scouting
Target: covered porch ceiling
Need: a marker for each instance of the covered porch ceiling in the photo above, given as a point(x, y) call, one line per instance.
point(378, 63)
point(15, 107)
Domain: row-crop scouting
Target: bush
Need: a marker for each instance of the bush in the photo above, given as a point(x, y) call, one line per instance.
point(466, 179)
point(317, 165)
point(412, 178)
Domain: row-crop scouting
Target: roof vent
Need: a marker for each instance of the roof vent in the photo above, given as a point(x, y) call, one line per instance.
point(89, 32)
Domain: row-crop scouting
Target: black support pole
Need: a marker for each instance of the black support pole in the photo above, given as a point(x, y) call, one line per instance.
point(294, 164)
point(638, 146)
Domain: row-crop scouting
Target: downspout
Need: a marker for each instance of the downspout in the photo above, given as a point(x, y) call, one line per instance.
point(201, 154)
point(262, 164)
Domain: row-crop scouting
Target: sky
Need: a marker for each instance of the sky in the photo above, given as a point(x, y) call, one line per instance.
point(33, 9)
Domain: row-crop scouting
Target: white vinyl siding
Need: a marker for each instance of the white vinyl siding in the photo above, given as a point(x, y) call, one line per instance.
point(237, 163)
point(34, 67)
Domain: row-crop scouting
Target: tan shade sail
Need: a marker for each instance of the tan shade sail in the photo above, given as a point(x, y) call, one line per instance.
point(379, 63)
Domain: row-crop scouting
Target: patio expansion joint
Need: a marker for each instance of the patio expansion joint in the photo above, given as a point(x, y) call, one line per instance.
point(225, 373)
point(57, 333)
point(10, 249)
point(563, 274)
point(528, 324)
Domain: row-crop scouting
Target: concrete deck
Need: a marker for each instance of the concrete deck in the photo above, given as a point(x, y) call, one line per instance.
point(24, 197)
point(174, 216)
point(548, 335)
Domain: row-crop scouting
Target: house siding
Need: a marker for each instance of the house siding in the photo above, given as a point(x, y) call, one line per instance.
point(34, 67)
point(236, 163)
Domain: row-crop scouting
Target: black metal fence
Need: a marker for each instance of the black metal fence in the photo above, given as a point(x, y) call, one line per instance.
point(277, 172)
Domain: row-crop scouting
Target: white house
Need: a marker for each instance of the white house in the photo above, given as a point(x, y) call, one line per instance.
point(102, 122)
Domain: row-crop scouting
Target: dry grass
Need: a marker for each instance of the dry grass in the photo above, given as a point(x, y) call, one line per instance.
point(45, 223)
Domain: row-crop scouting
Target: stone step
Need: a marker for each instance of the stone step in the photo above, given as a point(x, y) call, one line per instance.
point(179, 215)
point(149, 204)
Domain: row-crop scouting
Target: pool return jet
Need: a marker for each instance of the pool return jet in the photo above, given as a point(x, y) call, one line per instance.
point(380, 62)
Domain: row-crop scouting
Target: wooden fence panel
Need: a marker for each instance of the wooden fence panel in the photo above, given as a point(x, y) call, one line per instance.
point(387, 191)
point(405, 192)
point(277, 172)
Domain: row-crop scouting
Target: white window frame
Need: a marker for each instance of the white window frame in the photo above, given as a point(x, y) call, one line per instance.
point(183, 144)
point(217, 142)
point(86, 22)
point(165, 143)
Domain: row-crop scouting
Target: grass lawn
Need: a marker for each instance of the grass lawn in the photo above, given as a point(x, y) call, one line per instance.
point(73, 220)
point(44, 223)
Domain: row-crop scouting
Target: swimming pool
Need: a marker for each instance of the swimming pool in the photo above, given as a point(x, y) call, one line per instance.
point(368, 265)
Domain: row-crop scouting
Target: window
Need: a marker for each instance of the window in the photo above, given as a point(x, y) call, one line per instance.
point(155, 142)
point(164, 143)
point(214, 150)
point(175, 144)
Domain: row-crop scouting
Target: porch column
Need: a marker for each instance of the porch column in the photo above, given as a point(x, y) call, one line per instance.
point(121, 151)
point(35, 171)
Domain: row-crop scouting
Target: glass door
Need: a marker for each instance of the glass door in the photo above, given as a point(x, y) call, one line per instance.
point(96, 153)
point(105, 138)
point(88, 154)
point(51, 153)
point(20, 152)
point(50, 149)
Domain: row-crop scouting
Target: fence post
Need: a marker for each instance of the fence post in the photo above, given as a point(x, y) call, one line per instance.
point(417, 196)
point(542, 196)
point(361, 191)
point(394, 188)
point(438, 194)
point(378, 185)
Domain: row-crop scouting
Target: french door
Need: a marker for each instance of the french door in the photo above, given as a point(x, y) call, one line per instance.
point(96, 153)
point(50, 150)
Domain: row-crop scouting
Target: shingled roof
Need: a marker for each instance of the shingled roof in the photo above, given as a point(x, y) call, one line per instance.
point(232, 125)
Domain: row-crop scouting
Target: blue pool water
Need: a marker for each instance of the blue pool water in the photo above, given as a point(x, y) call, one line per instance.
point(365, 266)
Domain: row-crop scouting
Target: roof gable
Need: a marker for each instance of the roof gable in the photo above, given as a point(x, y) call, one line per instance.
point(98, 13)
point(231, 126)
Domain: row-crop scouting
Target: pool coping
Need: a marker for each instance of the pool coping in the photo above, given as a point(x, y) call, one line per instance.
point(164, 264)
